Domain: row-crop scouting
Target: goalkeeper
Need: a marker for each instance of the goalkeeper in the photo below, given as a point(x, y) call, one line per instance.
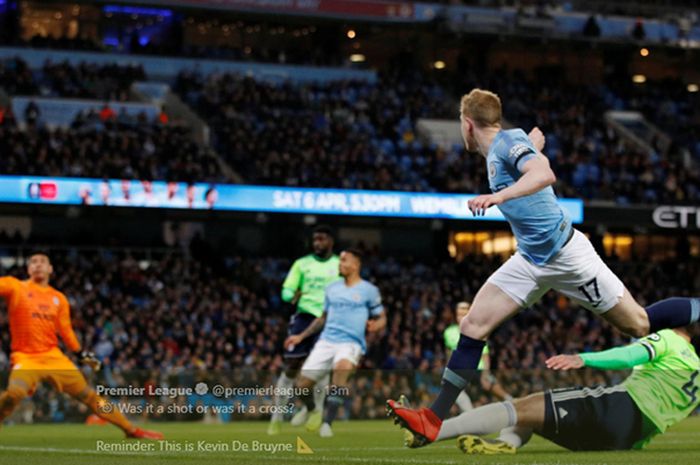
point(36, 313)
point(661, 391)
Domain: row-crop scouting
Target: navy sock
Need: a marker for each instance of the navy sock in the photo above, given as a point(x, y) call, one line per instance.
point(461, 368)
point(333, 403)
point(308, 401)
point(673, 313)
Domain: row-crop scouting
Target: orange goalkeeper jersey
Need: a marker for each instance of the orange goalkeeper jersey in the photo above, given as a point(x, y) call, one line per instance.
point(36, 314)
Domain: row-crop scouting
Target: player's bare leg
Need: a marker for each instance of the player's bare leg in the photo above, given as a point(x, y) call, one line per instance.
point(311, 409)
point(284, 383)
point(628, 316)
point(11, 398)
point(338, 393)
point(530, 411)
point(490, 308)
point(633, 319)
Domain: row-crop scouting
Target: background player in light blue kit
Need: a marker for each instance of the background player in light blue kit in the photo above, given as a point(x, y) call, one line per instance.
point(551, 255)
point(352, 306)
point(305, 287)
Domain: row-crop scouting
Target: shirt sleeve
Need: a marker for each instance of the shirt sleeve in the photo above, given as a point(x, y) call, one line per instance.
point(65, 328)
point(375, 302)
point(8, 284)
point(520, 151)
point(291, 282)
point(618, 358)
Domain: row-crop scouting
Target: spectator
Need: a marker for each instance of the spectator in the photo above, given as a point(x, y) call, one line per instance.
point(89, 149)
point(638, 32)
point(591, 28)
point(162, 117)
point(32, 113)
point(107, 114)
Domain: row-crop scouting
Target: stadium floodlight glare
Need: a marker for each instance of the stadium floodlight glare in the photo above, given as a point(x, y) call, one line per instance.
point(439, 64)
point(693, 88)
point(357, 58)
point(644, 52)
point(351, 34)
point(639, 79)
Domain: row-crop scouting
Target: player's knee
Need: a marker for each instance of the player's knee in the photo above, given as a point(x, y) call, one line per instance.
point(292, 367)
point(12, 397)
point(640, 328)
point(87, 397)
point(473, 327)
point(305, 383)
point(16, 393)
point(637, 325)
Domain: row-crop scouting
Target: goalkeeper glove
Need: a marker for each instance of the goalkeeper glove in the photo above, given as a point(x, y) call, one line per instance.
point(88, 358)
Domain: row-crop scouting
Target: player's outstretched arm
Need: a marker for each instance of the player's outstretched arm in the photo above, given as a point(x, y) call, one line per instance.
point(377, 324)
point(8, 284)
point(313, 328)
point(537, 174)
point(619, 358)
point(537, 138)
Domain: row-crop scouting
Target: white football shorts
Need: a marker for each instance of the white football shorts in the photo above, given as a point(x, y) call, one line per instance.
point(577, 271)
point(325, 355)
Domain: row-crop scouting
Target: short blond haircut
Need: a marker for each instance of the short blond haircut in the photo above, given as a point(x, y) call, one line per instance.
point(482, 106)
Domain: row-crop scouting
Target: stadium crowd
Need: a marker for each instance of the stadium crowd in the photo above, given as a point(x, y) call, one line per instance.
point(169, 319)
point(108, 144)
point(343, 134)
point(360, 135)
point(268, 43)
point(62, 79)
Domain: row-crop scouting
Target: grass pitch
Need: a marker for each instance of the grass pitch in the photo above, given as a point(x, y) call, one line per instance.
point(355, 442)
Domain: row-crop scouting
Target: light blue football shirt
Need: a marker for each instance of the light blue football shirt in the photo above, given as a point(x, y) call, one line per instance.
point(347, 311)
point(539, 224)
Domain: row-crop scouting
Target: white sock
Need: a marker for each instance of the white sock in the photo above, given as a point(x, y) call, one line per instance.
point(516, 436)
point(488, 419)
point(464, 402)
point(320, 391)
point(286, 383)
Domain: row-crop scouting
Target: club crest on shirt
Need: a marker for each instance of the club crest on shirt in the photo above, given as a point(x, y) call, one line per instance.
point(492, 170)
point(356, 297)
point(55, 300)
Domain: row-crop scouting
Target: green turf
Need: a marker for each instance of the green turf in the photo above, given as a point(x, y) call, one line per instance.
point(356, 442)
